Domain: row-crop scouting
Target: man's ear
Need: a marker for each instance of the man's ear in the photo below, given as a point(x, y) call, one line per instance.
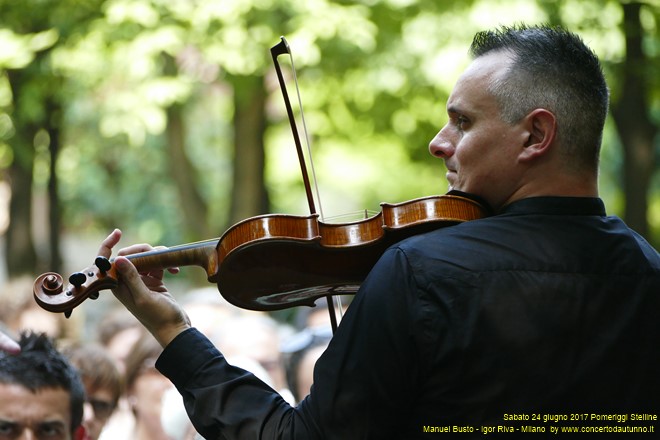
point(541, 125)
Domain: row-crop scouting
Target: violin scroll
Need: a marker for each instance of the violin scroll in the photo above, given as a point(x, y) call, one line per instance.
point(51, 293)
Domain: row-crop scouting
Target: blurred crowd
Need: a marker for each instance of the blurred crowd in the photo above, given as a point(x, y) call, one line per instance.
point(126, 397)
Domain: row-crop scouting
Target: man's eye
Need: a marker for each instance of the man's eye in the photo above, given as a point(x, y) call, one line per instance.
point(462, 122)
point(6, 429)
point(51, 431)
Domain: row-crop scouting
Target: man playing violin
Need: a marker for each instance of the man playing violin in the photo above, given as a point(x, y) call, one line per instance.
point(547, 307)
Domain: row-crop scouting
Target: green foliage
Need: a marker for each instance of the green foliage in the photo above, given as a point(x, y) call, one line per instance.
point(373, 74)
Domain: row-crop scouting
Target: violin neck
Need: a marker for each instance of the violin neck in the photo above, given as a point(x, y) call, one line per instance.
point(202, 254)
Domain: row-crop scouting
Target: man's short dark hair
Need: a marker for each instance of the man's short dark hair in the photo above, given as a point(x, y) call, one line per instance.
point(40, 366)
point(554, 69)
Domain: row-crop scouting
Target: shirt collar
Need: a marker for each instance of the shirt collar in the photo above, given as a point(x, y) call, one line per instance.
point(556, 206)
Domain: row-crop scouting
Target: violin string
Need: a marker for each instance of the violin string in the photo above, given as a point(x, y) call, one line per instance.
point(307, 143)
point(349, 216)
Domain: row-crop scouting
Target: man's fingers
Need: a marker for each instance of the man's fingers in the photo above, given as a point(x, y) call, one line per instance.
point(111, 240)
point(129, 275)
point(135, 249)
point(8, 344)
point(138, 248)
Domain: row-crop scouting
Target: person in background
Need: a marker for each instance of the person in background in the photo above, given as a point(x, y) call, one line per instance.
point(117, 332)
point(548, 306)
point(301, 351)
point(208, 309)
point(41, 394)
point(19, 312)
point(8, 345)
point(255, 337)
point(102, 382)
point(145, 388)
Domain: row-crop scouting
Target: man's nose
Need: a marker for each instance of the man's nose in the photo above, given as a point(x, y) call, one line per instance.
point(88, 412)
point(27, 434)
point(440, 146)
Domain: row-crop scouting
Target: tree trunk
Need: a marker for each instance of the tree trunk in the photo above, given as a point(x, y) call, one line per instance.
point(54, 122)
point(631, 114)
point(20, 251)
point(21, 256)
point(195, 209)
point(249, 194)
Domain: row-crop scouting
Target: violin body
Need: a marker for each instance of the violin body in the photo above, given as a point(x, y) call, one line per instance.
point(280, 267)
point(274, 262)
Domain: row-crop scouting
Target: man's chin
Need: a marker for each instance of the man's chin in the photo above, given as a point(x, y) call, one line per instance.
point(452, 181)
point(453, 187)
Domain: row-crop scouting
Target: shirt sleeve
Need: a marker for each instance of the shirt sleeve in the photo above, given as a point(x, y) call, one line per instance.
point(221, 400)
point(362, 382)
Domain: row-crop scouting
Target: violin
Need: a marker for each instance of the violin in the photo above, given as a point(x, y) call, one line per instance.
point(276, 261)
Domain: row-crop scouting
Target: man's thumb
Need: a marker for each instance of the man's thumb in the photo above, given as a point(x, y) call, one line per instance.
point(124, 267)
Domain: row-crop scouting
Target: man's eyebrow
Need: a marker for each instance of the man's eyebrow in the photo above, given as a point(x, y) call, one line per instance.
point(51, 423)
point(453, 109)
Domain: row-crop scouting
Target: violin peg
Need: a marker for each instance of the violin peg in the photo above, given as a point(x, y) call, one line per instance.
point(103, 264)
point(77, 279)
point(67, 314)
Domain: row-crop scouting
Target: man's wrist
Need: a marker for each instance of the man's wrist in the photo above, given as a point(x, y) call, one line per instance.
point(166, 335)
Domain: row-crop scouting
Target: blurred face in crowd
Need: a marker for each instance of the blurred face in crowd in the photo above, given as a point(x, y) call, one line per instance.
point(120, 345)
point(41, 415)
point(98, 409)
point(145, 396)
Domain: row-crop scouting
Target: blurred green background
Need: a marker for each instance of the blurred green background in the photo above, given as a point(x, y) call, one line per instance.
point(164, 117)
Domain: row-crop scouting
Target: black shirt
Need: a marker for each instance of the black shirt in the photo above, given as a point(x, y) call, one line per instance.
point(548, 308)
